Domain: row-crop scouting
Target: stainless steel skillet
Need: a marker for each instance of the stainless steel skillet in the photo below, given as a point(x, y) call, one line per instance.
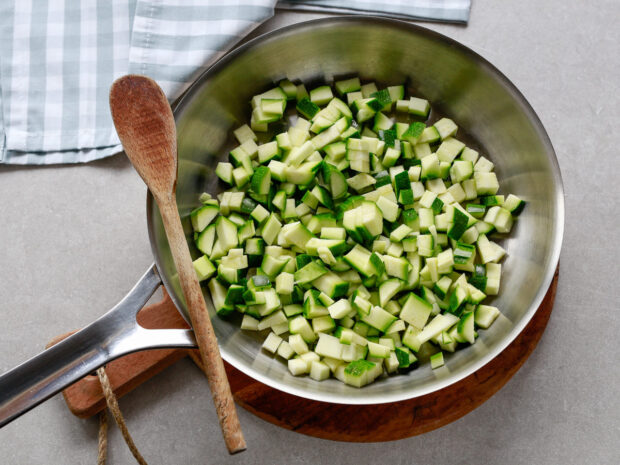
point(459, 82)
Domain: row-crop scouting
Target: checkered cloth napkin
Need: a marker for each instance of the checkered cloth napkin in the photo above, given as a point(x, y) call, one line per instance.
point(58, 59)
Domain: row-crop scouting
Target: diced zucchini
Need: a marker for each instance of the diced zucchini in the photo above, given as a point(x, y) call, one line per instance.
point(285, 283)
point(298, 344)
point(419, 107)
point(203, 216)
point(348, 85)
point(358, 373)
point(299, 325)
point(206, 239)
point(331, 284)
point(486, 183)
point(485, 315)
point(378, 318)
point(445, 128)
point(310, 239)
point(204, 268)
point(415, 311)
point(438, 324)
point(514, 204)
point(310, 272)
point(449, 149)
point(489, 251)
point(321, 95)
point(389, 289)
point(437, 360)
point(465, 328)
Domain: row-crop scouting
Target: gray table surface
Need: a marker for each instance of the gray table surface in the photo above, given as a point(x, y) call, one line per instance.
point(74, 241)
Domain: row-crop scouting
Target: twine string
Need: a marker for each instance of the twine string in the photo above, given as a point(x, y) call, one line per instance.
point(112, 403)
point(103, 438)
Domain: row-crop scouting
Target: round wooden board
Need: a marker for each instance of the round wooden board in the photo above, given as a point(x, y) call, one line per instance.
point(388, 422)
point(354, 423)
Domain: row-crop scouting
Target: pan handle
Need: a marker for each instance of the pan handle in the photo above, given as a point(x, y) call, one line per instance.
point(114, 334)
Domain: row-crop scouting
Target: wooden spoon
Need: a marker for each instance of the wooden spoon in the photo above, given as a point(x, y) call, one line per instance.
point(145, 125)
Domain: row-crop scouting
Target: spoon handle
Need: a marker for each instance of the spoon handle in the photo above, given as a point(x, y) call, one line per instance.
point(207, 342)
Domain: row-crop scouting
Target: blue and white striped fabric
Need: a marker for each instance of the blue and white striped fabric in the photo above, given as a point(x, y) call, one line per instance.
point(456, 11)
point(58, 59)
point(174, 41)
